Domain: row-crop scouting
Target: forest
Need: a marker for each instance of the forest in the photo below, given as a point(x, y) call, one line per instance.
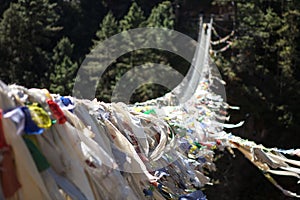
point(43, 43)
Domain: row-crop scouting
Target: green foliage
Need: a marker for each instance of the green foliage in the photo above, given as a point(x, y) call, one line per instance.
point(62, 78)
point(26, 34)
point(162, 16)
point(261, 69)
point(108, 27)
point(80, 21)
point(133, 19)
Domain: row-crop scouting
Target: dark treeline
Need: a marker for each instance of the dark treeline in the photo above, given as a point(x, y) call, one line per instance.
point(43, 43)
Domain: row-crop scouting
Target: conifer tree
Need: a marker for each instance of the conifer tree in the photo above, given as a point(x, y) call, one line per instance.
point(162, 16)
point(261, 67)
point(62, 77)
point(26, 34)
point(134, 18)
point(108, 27)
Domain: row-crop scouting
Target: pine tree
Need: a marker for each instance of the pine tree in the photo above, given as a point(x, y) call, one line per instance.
point(134, 18)
point(162, 16)
point(80, 21)
point(62, 77)
point(26, 34)
point(261, 67)
point(108, 27)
